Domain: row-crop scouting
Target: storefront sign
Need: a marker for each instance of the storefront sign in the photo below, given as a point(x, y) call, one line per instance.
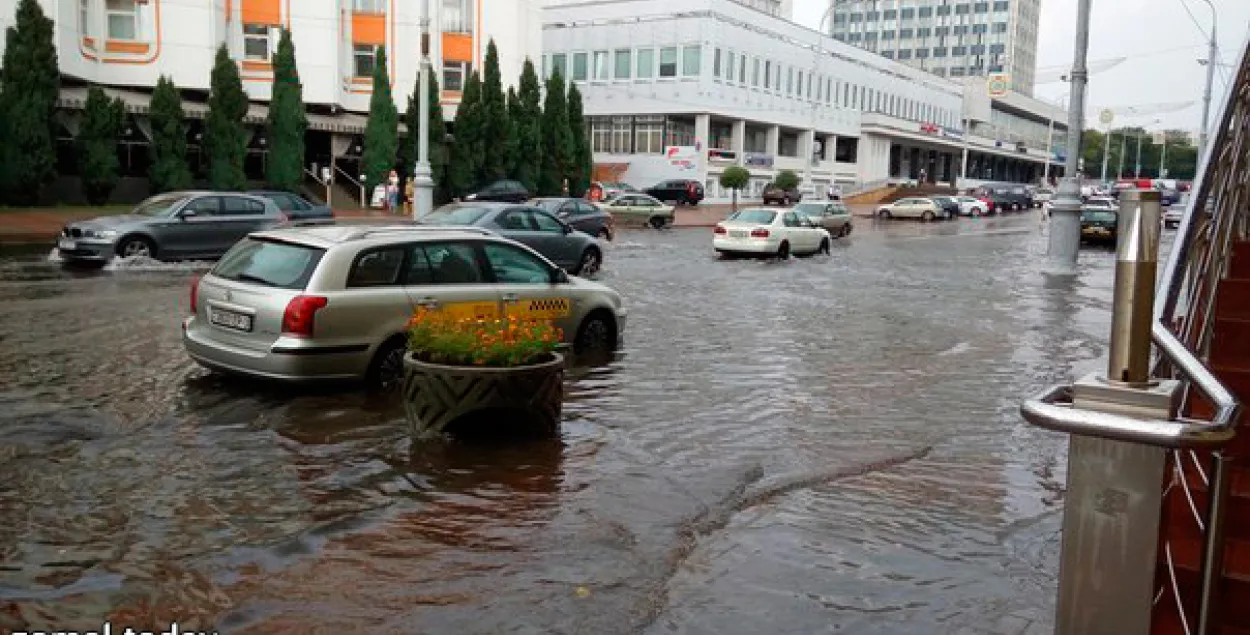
point(930, 128)
point(717, 155)
point(685, 158)
point(757, 160)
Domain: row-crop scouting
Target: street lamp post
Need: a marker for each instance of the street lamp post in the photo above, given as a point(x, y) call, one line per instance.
point(1106, 151)
point(1050, 136)
point(1212, 60)
point(423, 181)
point(1163, 158)
point(1065, 223)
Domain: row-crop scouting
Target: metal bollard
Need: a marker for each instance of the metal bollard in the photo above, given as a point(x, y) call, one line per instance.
point(1114, 489)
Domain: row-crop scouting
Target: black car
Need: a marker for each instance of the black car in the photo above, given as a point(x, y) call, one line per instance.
point(949, 206)
point(582, 215)
point(1005, 196)
point(501, 191)
point(774, 194)
point(294, 206)
point(1099, 225)
point(677, 191)
point(576, 252)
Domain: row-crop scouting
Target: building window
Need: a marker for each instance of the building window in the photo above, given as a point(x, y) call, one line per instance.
point(600, 65)
point(123, 22)
point(1000, 27)
point(454, 75)
point(716, 64)
point(798, 84)
point(768, 74)
point(679, 132)
point(84, 18)
point(904, 54)
point(829, 90)
point(790, 81)
point(600, 134)
point(742, 69)
point(646, 63)
point(648, 136)
point(1000, 5)
point(363, 56)
point(579, 67)
point(939, 51)
point(256, 42)
point(690, 60)
point(889, 55)
point(370, 6)
point(624, 62)
point(560, 64)
point(456, 18)
point(755, 72)
point(668, 61)
point(621, 129)
point(729, 66)
point(958, 51)
point(926, 12)
point(981, 7)
point(777, 76)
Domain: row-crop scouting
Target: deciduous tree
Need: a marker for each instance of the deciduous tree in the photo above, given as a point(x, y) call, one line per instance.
point(169, 170)
point(786, 180)
point(225, 137)
point(287, 121)
point(98, 132)
point(734, 178)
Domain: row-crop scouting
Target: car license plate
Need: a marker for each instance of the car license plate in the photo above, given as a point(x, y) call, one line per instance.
point(739, 233)
point(230, 319)
point(66, 244)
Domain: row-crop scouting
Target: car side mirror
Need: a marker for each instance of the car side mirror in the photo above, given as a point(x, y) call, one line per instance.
point(187, 213)
point(559, 276)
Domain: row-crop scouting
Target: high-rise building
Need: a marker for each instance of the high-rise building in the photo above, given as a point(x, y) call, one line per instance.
point(949, 38)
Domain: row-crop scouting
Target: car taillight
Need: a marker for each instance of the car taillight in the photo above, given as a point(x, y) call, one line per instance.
point(297, 320)
point(719, 230)
point(195, 293)
point(759, 233)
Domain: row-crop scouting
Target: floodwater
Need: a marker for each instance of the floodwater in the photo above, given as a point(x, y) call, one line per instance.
point(823, 445)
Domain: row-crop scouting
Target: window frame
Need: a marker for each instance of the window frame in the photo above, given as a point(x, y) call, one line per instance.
point(675, 63)
point(132, 14)
point(358, 54)
point(401, 271)
point(483, 250)
point(249, 38)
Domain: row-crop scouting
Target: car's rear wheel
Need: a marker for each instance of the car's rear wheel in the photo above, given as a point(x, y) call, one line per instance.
point(590, 262)
point(386, 370)
point(783, 252)
point(596, 333)
point(885, 213)
point(136, 246)
point(927, 216)
point(657, 222)
point(824, 247)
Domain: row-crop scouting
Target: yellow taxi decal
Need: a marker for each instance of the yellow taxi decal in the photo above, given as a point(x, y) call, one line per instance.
point(472, 310)
point(540, 309)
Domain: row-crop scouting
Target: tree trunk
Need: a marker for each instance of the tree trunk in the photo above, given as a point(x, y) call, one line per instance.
point(735, 203)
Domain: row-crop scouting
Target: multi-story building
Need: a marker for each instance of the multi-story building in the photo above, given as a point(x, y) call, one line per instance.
point(950, 38)
point(685, 88)
point(126, 45)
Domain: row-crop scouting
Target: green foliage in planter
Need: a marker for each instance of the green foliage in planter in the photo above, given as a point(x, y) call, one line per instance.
point(169, 169)
point(440, 338)
point(287, 121)
point(98, 133)
point(225, 137)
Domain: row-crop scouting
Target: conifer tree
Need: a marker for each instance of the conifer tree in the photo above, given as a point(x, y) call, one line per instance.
point(465, 169)
point(582, 158)
point(495, 125)
point(225, 137)
point(382, 130)
point(169, 170)
point(287, 122)
point(30, 82)
point(528, 146)
point(97, 140)
point(557, 140)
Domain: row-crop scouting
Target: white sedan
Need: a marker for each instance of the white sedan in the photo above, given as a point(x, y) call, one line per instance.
point(761, 232)
point(969, 206)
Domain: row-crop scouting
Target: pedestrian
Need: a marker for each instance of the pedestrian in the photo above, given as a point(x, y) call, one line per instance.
point(922, 176)
point(392, 192)
point(410, 194)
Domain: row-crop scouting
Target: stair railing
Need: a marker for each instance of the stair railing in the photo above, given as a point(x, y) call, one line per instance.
point(1181, 331)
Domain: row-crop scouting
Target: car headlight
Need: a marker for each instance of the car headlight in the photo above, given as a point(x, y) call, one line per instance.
point(106, 233)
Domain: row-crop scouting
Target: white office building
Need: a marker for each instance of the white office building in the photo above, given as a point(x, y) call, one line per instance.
point(949, 38)
point(685, 88)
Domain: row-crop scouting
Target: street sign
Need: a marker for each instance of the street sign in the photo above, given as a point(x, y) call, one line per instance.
point(1106, 116)
point(998, 84)
point(1158, 138)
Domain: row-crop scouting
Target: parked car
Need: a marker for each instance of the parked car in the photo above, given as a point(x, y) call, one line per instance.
point(1099, 225)
point(921, 208)
point(948, 205)
point(613, 189)
point(1168, 197)
point(1005, 196)
point(834, 216)
point(969, 206)
point(766, 232)
point(576, 251)
point(678, 191)
point(1173, 215)
point(773, 194)
point(502, 191)
point(294, 206)
point(1102, 202)
point(584, 216)
point(331, 302)
point(170, 226)
point(639, 208)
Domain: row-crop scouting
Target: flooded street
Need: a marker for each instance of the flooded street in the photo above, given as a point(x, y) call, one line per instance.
point(824, 445)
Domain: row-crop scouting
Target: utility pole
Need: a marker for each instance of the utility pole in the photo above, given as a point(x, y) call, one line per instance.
point(1163, 158)
point(1137, 164)
point(1212, 60)
point(1106, 150)
point(423, 181)
point(1119, 169)
point(1065, 220)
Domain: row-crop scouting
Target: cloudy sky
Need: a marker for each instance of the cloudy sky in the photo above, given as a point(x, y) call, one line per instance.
point(1161, 45)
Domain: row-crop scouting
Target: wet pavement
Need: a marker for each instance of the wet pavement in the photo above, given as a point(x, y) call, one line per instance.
point(824, 445)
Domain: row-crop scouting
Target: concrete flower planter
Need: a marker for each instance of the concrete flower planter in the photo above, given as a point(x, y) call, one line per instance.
point(437, 396)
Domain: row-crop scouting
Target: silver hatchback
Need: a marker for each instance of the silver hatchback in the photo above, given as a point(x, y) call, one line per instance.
point(332, 301)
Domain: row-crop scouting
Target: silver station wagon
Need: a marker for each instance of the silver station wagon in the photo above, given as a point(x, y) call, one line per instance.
point(329, 301)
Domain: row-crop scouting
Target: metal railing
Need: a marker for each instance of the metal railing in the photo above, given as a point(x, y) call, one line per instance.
point(1181, 330)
